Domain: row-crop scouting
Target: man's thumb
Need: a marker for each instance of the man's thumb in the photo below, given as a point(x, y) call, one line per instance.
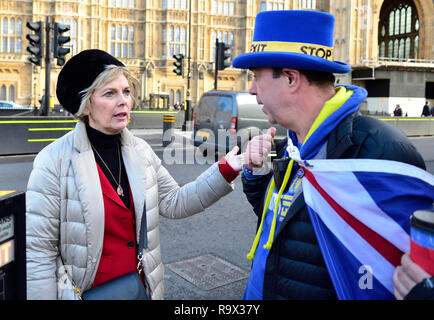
point(235, 150)
point(271, 131)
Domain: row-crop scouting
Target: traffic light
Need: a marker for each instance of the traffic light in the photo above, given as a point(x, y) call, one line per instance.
point(36, 42)
point(60, 52)
point(224, 54)
point(179, 64)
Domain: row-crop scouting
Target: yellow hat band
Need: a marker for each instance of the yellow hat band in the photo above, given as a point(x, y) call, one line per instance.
point(296, 47)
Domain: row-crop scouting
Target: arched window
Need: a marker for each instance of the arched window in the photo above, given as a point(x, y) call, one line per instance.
point(178, 96)
point(11, 32)
point(19, 34)
point(307, 4)
point(122, 41)
point(177, 34)
point(131, 43)
point(382, 49)
point(183, 40)
point(3, 92)
point(399, 28)
point(112, 38)
point(212, 50)
point(171, 38)
point(11, 93)
point(171, 102)
point(119, 39)
point(74, 36)
point(177, 40)
point(231, 38)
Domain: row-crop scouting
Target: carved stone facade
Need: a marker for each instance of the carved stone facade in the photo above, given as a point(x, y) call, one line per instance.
point(145, 34)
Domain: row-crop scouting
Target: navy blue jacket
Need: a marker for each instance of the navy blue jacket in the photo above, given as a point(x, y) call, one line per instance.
point(295, 268)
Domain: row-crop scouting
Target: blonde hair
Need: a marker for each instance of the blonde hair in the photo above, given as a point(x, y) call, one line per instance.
point(110, 73)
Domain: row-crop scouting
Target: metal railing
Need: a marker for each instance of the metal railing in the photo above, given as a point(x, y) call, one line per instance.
point(410, 62)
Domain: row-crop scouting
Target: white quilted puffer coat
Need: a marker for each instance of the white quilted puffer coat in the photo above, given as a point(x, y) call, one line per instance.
point(65, 212)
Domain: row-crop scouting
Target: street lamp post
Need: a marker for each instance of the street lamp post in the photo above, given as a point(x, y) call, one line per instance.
point(188, 99)
point(158, 94)
point(47, 67)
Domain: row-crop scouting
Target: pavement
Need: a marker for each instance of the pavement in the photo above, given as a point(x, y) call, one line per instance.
point(205, 254)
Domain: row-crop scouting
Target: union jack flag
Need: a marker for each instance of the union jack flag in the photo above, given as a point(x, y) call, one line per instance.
point(360, 211)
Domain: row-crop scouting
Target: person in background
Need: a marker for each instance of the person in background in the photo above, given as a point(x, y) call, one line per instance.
point(89, 191)
point(398, 111)
point(425, 110)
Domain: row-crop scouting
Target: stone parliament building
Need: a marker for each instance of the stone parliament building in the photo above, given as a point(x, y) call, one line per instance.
point(389, 44)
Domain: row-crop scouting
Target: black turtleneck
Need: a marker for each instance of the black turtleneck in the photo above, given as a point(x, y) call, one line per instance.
point(107, 147)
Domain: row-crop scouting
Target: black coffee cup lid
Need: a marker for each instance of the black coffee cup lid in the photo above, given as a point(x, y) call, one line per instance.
point(423, 219)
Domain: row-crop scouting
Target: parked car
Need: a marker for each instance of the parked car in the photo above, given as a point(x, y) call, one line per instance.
point(225, 118)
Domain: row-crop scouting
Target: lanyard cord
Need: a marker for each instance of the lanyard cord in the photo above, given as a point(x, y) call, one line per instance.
point(251, 254)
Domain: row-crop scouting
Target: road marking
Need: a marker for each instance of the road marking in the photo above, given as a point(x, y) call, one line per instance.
point(50, 129)
point(35, 121)
point(41, 140)
point(162, 112)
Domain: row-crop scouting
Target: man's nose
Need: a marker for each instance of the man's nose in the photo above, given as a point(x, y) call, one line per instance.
point(252, 89)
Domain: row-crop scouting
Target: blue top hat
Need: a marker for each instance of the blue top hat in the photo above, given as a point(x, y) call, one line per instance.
point(293, 39)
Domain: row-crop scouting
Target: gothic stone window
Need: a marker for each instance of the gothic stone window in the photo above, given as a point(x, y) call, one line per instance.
point(122, 41)
point(11, 32)
point(277, 4)
point(398, 36)
point(222, 36)
point(176, 40)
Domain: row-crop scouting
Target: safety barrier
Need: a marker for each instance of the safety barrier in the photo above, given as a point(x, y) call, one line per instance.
point(168, 122)
point(29, 134)
point(22, 135)
point(412, 126)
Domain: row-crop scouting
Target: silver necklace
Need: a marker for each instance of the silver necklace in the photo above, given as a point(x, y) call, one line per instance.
point(119, 189)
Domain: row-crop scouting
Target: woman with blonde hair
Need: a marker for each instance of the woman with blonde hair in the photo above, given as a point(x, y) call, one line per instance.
point(94, 196)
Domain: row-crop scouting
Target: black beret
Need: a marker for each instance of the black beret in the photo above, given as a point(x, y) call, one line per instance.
point(79, 73)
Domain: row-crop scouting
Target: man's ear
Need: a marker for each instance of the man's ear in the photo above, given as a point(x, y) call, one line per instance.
point(293, 76)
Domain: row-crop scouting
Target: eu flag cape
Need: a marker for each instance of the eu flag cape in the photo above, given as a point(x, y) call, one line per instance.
point(360, 212)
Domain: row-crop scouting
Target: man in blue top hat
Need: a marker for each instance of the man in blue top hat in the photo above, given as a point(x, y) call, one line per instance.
point(291, 57)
